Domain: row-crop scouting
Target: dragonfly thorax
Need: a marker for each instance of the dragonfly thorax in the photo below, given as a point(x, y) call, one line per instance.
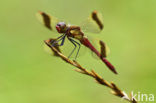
point(61, 27)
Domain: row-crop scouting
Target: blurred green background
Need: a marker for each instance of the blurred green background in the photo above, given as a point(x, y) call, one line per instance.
point(29, 75)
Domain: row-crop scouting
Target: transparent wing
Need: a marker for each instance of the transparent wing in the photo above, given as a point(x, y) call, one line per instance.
point(93, 24)
point(47, 20)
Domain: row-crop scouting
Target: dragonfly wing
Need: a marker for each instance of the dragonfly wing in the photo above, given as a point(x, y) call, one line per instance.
point(47, 20)
point(93, 24)
point(104, 49)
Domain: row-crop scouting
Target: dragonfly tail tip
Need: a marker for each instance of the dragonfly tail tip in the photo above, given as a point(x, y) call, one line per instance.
point(114, 71)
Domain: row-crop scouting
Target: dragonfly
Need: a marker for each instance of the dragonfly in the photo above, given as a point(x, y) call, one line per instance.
point(74, 32)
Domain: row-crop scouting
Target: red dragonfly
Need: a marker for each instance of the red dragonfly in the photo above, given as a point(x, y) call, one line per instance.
point(73, 33)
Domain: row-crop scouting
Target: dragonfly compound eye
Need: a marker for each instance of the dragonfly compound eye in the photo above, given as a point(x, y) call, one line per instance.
point(61, 26)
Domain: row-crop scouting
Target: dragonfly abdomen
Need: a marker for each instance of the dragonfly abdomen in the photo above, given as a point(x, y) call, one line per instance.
point(87, 43)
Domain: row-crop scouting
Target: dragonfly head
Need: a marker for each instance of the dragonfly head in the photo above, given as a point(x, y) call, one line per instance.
point(61, 27)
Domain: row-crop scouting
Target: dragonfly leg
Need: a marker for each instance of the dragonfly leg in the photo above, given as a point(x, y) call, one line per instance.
point(62, 41)
point(74, 47)
point(73, 42)
point(62, 37)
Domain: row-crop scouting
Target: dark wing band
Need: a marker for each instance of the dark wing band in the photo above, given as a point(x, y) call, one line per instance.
point(97, 20)
point(46, 20)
